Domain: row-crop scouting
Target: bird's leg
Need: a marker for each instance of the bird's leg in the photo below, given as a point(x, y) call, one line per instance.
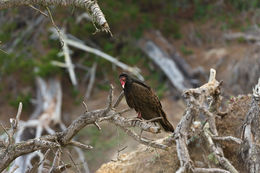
point(139, 115)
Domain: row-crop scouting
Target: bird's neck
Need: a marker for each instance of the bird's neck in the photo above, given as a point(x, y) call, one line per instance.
point(127, 87)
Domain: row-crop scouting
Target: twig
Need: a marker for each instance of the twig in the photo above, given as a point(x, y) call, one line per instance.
point(227, 138)
point(110, 97)
point(9, 136)
point(91, 80)
point(80, 145)
point(143, 140)
point(118, 153)
point(40, 11)
point(68, 60)
point(210, 170)
point(96, 124)
point(41, 162)
point(55, 26)
point(56, 161)
point(133, 70)
point(153, 119)
point(82, 159)
point(86, 106)
point(143, 125)
point(120, 97)
point(71, 158)
point(217, 153)
point(124, 111)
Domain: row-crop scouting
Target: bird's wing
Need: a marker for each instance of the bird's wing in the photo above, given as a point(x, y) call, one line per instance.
point(144, 96)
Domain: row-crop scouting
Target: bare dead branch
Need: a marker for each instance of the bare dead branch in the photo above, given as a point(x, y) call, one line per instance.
point(56, 161)
point(217, 152)
point(96, 124)
point(61, 168)
point(250, 149)
point(91, 7)
point(72, 160)
point(55, 26)
point(143, 125)
point(210, 170)
point(86, 106)
point(80, 145)
point(91, 80)
point(227, 138)
point(7, 133)
point(120, 97)
point(40, 11)
point(143, 140)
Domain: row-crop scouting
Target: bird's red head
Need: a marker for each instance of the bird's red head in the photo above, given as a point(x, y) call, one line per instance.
point(122, 81)
point(123, 77)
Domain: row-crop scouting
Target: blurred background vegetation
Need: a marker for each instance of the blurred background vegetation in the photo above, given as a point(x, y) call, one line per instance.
point(30, 51)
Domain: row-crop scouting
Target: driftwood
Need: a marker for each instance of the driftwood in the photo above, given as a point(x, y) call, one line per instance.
point(250, 150)
point(163, 54)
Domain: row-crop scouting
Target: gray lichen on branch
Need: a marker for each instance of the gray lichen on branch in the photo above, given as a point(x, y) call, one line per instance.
point(91, 7)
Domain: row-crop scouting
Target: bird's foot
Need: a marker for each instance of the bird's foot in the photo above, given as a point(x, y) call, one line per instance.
point(139, 115)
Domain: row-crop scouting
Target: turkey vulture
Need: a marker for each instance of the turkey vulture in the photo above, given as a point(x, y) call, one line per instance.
point(143, 99)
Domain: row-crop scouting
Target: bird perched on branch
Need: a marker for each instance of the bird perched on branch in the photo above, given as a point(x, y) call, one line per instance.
point(143, 99)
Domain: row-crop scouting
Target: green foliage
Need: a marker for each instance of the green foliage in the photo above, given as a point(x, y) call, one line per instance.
point(6, 31)
point(45, 68)
point(24, 98)
point(171, 27)
point(104, 87)
point(78, 98)
point(21, 65)
point(131, 55)
point(156, 82)
point(245, 4)
point(186, 51)
point(160, 90)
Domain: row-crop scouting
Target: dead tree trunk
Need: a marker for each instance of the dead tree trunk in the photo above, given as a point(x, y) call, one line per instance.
point(250, 148)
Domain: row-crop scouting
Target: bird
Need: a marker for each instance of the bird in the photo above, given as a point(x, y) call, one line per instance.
point(143, 99)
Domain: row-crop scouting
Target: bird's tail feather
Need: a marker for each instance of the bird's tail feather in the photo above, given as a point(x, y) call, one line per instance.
point(166, 125)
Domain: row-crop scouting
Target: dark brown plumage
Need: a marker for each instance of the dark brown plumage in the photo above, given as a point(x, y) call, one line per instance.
point(143, 99)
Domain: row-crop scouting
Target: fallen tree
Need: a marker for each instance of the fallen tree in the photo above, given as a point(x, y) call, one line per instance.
point(206, 139)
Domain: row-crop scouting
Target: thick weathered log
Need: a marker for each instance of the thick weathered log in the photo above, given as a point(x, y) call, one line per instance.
point(164, 55)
